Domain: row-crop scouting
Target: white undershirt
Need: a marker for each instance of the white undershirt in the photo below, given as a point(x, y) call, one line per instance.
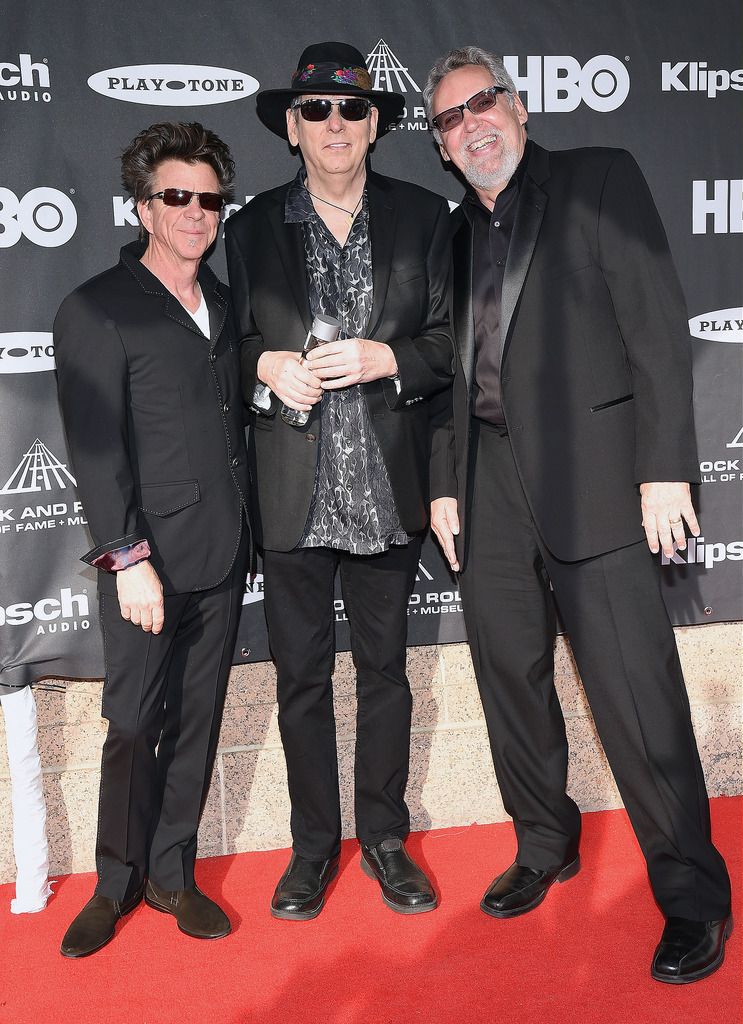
point(201, 317)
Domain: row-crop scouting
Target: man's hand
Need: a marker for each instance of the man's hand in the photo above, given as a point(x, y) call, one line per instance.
point(445, 524)
point(288, 376)
point(141, 597)
point(340, 364)
point(665, 505)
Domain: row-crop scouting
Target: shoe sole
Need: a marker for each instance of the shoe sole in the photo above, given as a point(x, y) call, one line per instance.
point(89, 952)
point(705, 972)
point(569, 871)
point(194, 935)
point(426, 908)
point(304, 915)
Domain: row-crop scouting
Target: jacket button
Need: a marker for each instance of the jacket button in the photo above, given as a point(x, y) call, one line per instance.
point(226, 407)
point(235, 461)
point(212, 357)
point(310, 437)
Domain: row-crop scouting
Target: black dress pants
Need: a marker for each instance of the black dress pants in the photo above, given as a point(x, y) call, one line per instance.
point(625, 650)
point(163, 697)
point(299, 592)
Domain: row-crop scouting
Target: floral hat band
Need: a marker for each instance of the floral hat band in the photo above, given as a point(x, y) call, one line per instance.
point(334, 69)
point(331, 74)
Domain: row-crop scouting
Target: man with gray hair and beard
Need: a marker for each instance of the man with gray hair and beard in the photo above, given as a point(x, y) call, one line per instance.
point(561, 465)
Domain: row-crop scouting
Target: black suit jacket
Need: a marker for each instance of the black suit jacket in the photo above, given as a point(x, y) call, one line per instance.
point(596, 369)
point(153, 416)
point(409, 240)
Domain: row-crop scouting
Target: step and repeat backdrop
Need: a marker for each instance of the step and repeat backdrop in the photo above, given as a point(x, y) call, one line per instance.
point(79, 80)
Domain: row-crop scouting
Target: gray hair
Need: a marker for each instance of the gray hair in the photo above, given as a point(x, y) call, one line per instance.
point(460, 58)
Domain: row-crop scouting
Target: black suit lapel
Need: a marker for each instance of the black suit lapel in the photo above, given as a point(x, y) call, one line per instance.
point(462, 316)
point(529, 214)
point(289, 241)
point(382, 221)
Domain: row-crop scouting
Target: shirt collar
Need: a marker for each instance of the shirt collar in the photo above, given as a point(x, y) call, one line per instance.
point(471, 201)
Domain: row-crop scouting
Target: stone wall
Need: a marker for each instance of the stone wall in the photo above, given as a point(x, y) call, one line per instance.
point(451, 777)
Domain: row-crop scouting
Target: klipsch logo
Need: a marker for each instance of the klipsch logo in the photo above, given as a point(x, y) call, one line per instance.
point(720, 325)
point(695, 76)
point(173, 85)
point(25, 82)
point(700, 552)
point(560, 84)
point(26, 352)
point(45, 216)
point(63, 614)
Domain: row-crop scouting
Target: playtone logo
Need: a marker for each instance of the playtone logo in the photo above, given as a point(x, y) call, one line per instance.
point(26, 352)
point(695, 76)
point(720, 325)
point(560, 84)
point(31, 76)
point(173, 85)
point(72, 609)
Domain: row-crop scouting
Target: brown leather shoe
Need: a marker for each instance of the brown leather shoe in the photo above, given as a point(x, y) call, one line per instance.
point(95, 925)
point(195, 913)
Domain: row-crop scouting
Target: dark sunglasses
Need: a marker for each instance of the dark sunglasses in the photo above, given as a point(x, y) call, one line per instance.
point(211, 201)
point(351, 108)
point(476, 104)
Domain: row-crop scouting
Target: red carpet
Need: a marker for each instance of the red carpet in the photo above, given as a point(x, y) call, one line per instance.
point(582, 957)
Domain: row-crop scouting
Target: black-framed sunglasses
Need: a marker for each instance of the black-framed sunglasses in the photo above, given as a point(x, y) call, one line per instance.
point(351, 108)
point(477, 104)
point(211, 201)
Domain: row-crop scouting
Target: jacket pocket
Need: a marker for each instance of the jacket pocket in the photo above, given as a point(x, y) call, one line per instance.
point(614, 401)
point(165, 499)
point(409, 273)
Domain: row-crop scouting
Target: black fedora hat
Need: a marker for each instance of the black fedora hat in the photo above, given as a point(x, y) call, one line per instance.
point(328, 69)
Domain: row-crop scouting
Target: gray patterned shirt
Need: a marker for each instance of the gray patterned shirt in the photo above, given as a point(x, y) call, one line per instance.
point(352, 506)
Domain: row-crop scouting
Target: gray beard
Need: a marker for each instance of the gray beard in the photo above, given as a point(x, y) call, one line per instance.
point(481, 178)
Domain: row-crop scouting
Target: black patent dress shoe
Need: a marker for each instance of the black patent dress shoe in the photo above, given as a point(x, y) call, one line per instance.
point(520, 889)
point(404, 886)
point(195, 913)
point(300, 894)
point(690, 950)
point(95, 925)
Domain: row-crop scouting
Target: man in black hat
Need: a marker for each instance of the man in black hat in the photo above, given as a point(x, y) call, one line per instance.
point(348, 489)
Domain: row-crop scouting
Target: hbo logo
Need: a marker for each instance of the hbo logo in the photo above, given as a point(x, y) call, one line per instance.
point(45, 216)
point(559, 84)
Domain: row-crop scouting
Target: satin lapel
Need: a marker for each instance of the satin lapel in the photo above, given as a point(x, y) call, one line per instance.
point(529, 214)
point(462, 317)
point(290, 243)
point(382, 221)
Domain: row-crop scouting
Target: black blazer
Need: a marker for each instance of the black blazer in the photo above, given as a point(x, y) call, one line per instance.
point(153, 416)
point(409, 239)
point(596, 369)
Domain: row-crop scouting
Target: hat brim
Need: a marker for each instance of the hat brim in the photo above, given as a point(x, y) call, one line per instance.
point(272, 105)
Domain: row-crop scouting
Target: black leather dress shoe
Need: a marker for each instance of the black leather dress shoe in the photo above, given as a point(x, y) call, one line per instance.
point(95, 925)
point(196, 914)
point(300, 894)
point(404, 886)
point(690, 950)
point(520, 889)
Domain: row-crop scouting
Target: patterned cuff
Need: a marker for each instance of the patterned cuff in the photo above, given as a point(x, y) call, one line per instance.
point(123, 558)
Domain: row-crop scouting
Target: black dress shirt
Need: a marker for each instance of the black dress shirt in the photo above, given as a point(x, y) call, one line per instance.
point(491, 240)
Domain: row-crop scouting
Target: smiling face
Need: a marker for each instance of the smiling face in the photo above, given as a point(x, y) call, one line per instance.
point(180, 233)
point(485, 147)
point(333, 146)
